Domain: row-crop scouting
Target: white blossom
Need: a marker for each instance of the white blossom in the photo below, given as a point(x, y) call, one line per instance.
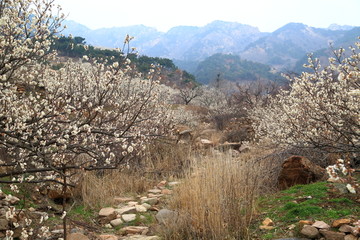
point(321, 109)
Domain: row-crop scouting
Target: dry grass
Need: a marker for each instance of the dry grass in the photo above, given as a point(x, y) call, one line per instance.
point(162, 161)
point(100, 190)
point(216, 199)
point(166, 159)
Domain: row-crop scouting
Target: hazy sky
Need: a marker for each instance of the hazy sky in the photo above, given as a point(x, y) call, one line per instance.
point(267, 15)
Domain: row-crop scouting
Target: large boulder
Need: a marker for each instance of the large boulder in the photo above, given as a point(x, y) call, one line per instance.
point(299, 170)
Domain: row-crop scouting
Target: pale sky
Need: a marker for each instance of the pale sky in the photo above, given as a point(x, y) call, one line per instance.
point(267, 15)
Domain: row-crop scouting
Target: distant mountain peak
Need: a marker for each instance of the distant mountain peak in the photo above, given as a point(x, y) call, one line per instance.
point(336, 27)
point(220, 23)
point(292, 26)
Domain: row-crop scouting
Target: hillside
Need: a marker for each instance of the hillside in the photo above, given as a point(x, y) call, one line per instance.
point(168, 72)
point(286, 45)
point(232, 68)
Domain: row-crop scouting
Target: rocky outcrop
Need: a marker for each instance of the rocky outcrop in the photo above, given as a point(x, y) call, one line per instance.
point(299, 170)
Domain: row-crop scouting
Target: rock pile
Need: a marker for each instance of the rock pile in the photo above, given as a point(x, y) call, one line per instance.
point(340, 229)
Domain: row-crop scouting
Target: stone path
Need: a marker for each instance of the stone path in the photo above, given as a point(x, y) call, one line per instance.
point(129, 209)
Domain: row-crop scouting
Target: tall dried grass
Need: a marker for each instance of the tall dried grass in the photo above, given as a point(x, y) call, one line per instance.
point(162, 161)
point(166, 159)
point(99, 190)
point(217, 198)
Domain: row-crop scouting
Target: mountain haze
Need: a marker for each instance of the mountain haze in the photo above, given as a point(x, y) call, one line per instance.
point(188, 45)
point(285, 46)
point(197, 43)
point(182, 42)
point(323, 54)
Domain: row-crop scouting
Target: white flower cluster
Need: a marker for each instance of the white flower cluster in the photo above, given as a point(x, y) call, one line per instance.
point(321, 109)
point(49, 118)
point(213, 99)
point(341, 172)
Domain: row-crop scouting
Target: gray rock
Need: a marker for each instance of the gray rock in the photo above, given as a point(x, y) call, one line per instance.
point(135, 230)
point(341, 187)
point(116, 222)
point(350, 237)
point(331, 235)
point(346, 228)
point(128, 217)
point(4, 224)
point(151, 201)
point(146, 205)
point(126, 210)
point(166, 216)
point(140, 208)
point(310, 231)
point(154, 191)
point(104, 212)
point(321, 225)
point(57, 231)
point(108, 226)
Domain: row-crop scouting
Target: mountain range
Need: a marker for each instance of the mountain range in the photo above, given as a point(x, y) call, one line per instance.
point(188, 45)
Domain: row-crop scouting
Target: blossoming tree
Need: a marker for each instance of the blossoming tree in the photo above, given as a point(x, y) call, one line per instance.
point(87, 115)
point(320, 110)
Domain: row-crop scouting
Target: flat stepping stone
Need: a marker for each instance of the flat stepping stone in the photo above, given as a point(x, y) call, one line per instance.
point(126, 210)
point(154, 191)
point(128, 217)
point(135, 230)
point(105, 212)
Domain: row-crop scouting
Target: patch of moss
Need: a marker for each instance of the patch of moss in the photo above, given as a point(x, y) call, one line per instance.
point(318, 189)
point(341, 200)
point(268, 236)
point(80, 212)
point(286, 198)
point(336, 214)
point(312, 201)
point(290, 205)
point(302, 212)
